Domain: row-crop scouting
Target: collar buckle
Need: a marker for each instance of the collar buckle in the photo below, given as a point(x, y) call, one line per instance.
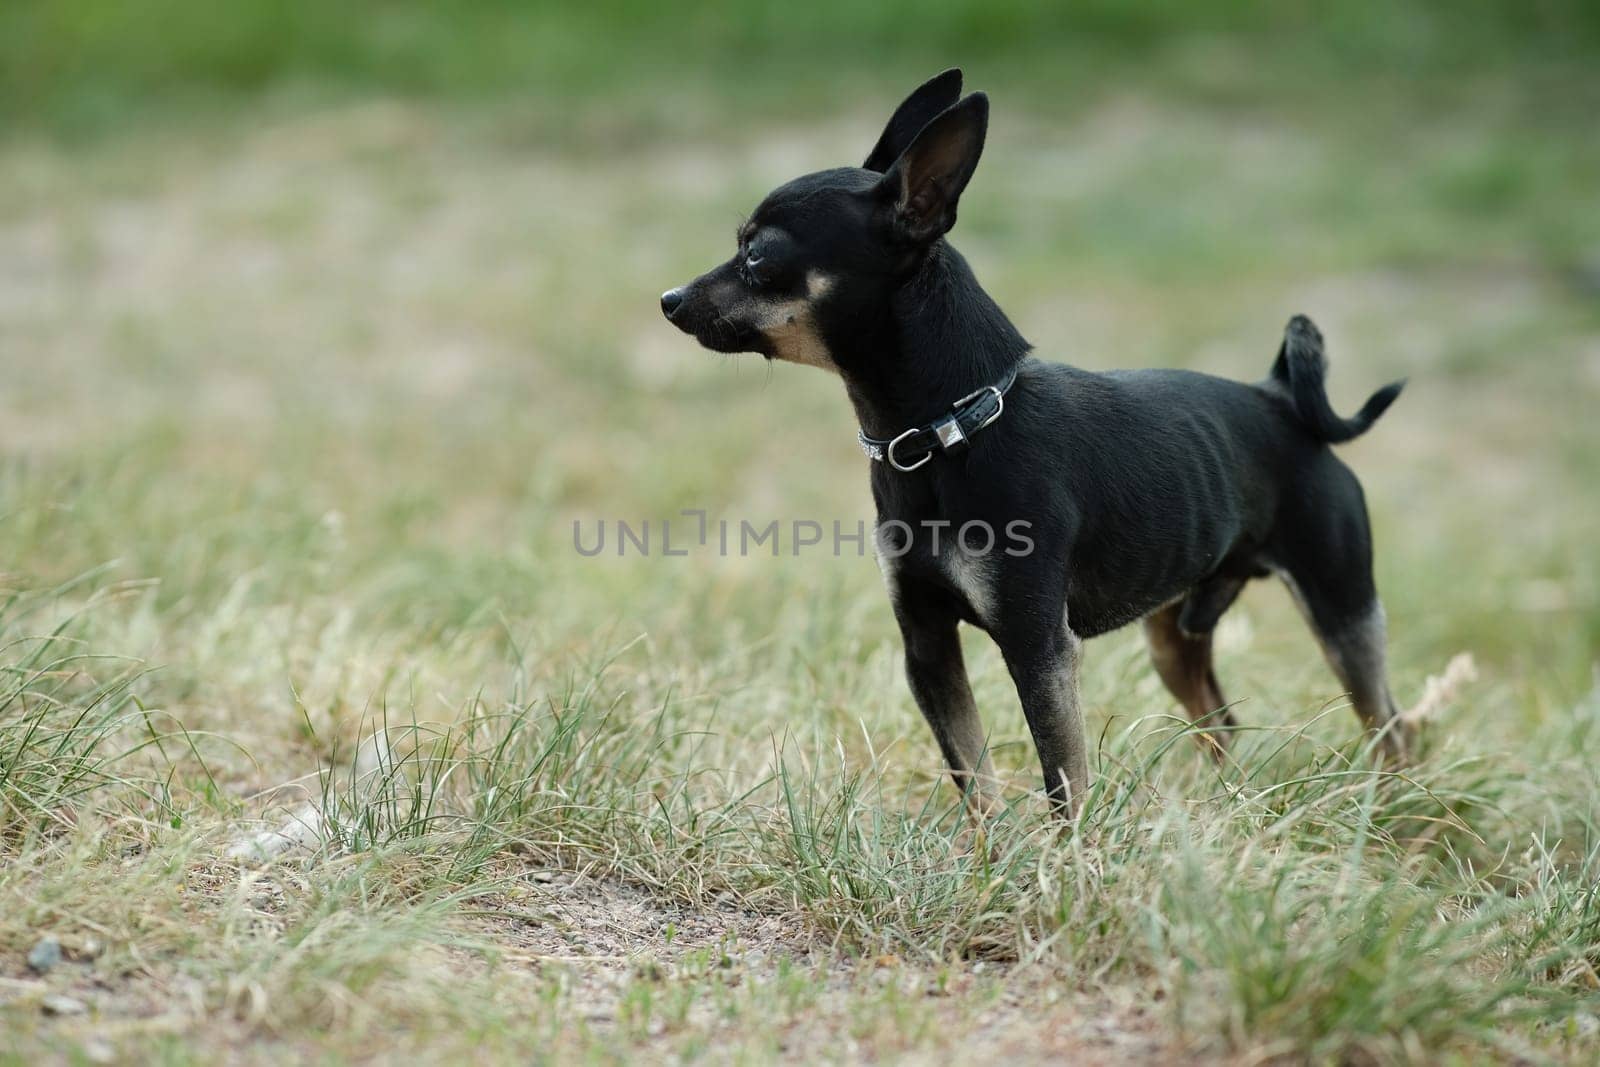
point(999, 404)
point(888, 453)
point(950, 434)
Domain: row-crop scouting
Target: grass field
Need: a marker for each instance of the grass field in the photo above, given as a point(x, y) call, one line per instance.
point(320, 742)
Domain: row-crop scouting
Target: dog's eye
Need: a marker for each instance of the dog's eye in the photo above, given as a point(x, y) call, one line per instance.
point(748, 265)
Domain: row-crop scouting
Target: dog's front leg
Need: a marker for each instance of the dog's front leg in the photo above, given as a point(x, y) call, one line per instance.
point(938, 677)
point(1043, 661)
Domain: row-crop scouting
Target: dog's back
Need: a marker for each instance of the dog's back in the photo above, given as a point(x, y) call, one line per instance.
point(1170, 477)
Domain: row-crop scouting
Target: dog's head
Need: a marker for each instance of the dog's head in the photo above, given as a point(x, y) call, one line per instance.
point(822, 255)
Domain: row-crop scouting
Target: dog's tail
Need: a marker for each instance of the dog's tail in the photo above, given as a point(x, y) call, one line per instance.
point(1302, 369)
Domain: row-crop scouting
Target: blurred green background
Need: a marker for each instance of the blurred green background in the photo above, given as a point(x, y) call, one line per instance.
point(291, 242)
point(90, 64)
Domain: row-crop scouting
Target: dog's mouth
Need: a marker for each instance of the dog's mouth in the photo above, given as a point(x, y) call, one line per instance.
point(722, 334)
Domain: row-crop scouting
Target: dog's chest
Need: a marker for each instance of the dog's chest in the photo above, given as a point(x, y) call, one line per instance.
point(970, 576)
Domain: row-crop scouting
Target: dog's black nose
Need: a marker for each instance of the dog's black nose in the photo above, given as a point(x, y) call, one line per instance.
point(671, 301)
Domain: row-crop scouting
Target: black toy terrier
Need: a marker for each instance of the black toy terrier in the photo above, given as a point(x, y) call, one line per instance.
point(1146, 494)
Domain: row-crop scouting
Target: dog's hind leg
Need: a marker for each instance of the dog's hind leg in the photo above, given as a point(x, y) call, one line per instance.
point(1354, 648)
point(1180, 647)
point(1327, 563)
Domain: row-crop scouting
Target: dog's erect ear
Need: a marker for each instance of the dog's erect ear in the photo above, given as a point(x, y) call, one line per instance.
point(927, 179)
point(916, 111)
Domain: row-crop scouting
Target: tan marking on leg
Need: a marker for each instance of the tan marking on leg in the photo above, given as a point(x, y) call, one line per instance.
point(1183, 662)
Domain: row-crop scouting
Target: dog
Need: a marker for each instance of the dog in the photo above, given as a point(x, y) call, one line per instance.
point(1149, 495)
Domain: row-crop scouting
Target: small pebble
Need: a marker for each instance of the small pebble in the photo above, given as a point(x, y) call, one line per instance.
point(60, 1004)
point(45, 955)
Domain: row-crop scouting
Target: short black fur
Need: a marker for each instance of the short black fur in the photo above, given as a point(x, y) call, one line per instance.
point(1145, 494)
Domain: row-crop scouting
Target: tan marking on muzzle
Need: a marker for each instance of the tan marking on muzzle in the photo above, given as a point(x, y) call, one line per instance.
point(790, 326)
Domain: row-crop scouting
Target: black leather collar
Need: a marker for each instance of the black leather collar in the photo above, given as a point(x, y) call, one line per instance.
point(948, 434)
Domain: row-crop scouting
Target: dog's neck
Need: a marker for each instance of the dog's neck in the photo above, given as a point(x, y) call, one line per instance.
point(944, 338)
